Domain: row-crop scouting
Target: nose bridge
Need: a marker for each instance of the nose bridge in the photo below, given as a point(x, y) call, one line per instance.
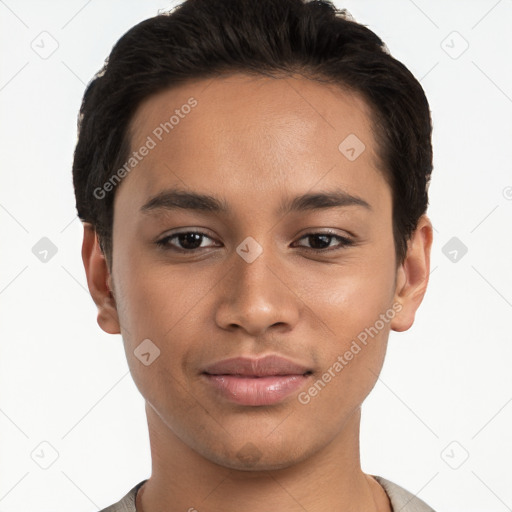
point(255, 298)
point(253, 269)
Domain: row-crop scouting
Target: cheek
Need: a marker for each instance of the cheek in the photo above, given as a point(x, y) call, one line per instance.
point(357, 303)
point(154, 316)
point(152, 297)
point(358, 309)
point(351, 298)
point(166, 306)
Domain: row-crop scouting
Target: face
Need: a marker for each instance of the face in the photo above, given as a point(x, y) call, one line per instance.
point(290, 254)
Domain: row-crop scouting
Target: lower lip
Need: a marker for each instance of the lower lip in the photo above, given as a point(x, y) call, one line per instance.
point(256, 390)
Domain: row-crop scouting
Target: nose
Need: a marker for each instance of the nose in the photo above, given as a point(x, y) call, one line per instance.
point(257, 296)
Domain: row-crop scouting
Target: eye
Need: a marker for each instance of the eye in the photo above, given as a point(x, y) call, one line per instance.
point(321, 242)
point(189, 241)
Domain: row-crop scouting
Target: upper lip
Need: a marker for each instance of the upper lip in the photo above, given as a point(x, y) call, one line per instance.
point(262, 367)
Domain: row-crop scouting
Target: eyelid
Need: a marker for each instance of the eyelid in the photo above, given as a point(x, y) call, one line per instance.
point(344, 241)
point(163, 241)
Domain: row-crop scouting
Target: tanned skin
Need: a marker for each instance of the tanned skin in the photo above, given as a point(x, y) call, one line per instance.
point(255, 143)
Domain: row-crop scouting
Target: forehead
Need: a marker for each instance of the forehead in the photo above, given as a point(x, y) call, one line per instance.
point(240, 134)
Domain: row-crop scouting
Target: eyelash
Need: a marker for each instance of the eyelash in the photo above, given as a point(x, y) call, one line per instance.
point(344, 242)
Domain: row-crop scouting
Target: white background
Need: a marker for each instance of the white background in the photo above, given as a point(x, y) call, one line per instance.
point(446, 388)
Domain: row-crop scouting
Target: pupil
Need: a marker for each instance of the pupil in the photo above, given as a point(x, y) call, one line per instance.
point(326, 239)
point(190, 240)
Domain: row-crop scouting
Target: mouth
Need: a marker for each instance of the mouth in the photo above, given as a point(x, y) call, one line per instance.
point(256, 382)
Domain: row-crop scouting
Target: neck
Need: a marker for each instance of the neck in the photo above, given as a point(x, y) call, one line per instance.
point(329, 479)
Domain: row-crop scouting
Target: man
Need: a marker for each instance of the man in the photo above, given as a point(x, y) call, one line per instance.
point(252, 178)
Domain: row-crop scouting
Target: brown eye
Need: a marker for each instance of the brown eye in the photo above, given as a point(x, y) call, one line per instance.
point(322, 241)
point(190, 240)
point(187, 241)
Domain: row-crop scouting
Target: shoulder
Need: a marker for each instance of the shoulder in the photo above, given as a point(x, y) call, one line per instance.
point(127, 503)
point(401, 499)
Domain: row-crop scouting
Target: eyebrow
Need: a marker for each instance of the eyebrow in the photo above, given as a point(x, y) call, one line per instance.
point(180, 199)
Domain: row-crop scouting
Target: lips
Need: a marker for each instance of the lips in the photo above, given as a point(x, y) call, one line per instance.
point(254, 382)
point(263, 367)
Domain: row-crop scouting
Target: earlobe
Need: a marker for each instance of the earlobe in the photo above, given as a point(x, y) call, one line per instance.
point(98, 281)
point(412, 275)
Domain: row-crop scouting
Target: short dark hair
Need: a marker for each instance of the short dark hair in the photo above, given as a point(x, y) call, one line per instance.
point(204, 38)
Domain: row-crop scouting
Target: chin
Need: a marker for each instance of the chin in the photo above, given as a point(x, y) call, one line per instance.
point(263, 456)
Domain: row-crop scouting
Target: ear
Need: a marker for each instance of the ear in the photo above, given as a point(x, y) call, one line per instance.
point(99, 281)
point(412, 275)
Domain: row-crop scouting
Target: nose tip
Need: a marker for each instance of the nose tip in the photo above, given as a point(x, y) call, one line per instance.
point(254, 297)
point(255, 318)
